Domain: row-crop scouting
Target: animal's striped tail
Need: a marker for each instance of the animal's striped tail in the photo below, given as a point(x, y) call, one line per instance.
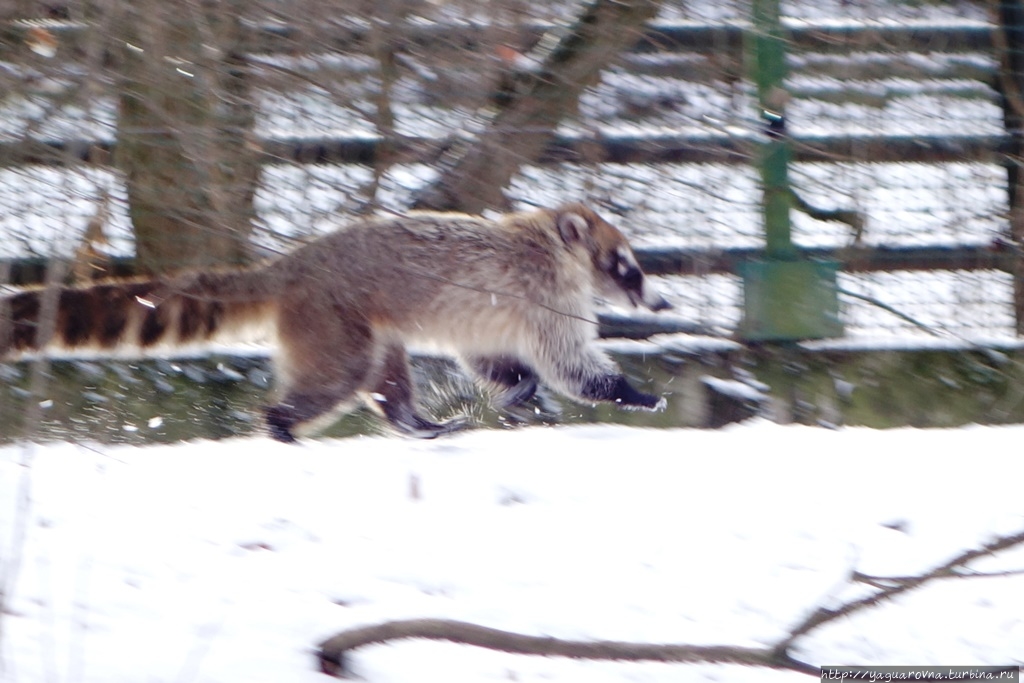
point(135, 313)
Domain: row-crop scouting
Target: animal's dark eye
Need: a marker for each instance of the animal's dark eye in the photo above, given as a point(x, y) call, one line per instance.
point(612, 263)
point(631, 278)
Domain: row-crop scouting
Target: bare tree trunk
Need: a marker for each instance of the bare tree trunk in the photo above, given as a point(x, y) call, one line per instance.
point(184, 133)
point(1009, 39)
point(385, 16)
point(474, 174)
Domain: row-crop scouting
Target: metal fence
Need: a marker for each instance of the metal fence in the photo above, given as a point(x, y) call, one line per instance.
point(902, 119)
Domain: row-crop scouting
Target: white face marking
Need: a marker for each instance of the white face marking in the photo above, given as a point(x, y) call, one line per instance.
point(625, 262)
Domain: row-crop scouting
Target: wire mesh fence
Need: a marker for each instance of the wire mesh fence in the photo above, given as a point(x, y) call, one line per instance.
point(898, 114)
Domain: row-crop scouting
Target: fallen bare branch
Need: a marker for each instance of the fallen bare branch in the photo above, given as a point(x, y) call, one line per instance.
point(332, 652)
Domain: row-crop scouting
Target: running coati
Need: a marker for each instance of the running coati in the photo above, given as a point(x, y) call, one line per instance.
point(513, 298)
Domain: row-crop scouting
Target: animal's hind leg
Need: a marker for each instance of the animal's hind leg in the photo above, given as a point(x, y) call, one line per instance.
point(298, 407)
point(395, 397)
point(321, 368)
point(517, 381)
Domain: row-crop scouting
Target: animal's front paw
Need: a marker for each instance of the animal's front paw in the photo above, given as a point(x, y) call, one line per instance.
point(615, 389)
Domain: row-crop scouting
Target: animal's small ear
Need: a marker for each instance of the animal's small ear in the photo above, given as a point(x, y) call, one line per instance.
point(572, 226)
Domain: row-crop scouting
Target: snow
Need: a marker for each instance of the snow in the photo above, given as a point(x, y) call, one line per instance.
point(736, 389)
point(229, 561)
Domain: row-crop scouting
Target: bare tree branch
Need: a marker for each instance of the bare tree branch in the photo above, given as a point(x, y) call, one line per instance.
point(333, 651)
point(475, 171)
point(824, 615)
point(884, 582)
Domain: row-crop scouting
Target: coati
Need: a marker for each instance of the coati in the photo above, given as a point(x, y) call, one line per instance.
point(512, 298)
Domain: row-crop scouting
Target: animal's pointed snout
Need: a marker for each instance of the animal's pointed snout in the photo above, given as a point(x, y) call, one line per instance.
point(656, 302)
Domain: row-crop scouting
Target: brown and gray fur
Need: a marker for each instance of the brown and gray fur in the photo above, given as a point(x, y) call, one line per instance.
point(512, 298)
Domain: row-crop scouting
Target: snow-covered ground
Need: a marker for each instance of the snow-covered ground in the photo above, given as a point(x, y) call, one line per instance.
point(228, 561)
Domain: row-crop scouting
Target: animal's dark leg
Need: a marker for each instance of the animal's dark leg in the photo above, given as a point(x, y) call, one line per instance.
point(394, 395)
point(517, 381)
point(322, 365)
point(590, 375)
point(298, 407)
point(614, 388)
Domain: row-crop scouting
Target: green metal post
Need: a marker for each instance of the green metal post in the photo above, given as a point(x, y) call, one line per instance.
point(768, 48)
point(786, 297)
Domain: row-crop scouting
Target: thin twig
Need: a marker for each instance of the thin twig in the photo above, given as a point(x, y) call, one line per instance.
point(895, 311)
point(852, 217)
point(890, 581)
point(48, 306)
point(824, 615)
